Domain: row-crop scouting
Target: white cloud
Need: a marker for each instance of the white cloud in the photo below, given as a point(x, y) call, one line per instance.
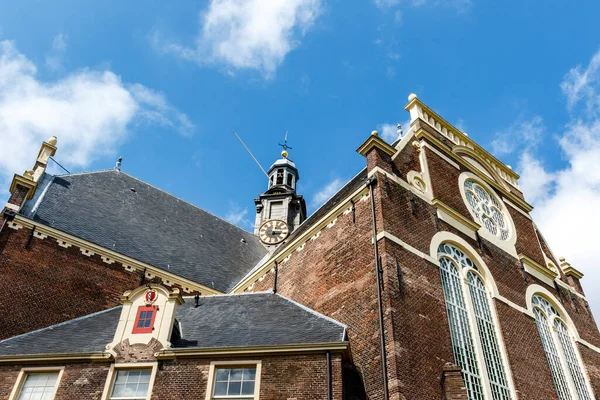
point(55, 57)
point(327, 191)
point(522, 133)
point(567, 200)
point(248, 34)
point(239, 216)
point(91, 113)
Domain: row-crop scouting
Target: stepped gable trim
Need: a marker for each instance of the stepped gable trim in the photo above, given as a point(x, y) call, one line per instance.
point(108, 256)
point(171, 354)
point(311, 232)
point(418, 110)
point(422, 133)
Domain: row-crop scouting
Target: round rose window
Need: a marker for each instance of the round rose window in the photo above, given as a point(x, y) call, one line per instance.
point(486, 209)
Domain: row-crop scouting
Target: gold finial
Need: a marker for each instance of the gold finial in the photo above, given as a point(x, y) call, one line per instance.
point(284, 154)
point(52, 141)
point(375, 133)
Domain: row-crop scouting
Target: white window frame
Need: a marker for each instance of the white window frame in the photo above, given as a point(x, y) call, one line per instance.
point(487, 282)
point(23, 375)
point(562, 317)
point(507, 245)
point(210, 385)
point(112, 374)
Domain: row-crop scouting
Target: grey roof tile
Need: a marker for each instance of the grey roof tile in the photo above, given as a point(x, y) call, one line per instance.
point(119, 212)
point(261, 319)
point(88, 334)
point(257, 319)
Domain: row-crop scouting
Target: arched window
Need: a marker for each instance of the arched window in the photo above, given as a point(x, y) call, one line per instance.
point(472, 326)
point(561, 353)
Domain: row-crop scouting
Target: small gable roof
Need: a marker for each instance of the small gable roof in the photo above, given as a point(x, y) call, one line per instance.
point(221, 321)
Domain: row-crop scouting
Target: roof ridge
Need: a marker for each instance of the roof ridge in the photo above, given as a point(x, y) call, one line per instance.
point(316, 313)
point(60, 324)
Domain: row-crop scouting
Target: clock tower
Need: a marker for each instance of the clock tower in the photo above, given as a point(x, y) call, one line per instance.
point(279, 210)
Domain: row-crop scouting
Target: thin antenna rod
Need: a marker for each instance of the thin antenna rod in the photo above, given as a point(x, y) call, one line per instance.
point(57, 163)
point(252, 155)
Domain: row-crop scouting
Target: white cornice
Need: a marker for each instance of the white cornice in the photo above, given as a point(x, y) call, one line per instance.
point(108, 256)
point(170, 354)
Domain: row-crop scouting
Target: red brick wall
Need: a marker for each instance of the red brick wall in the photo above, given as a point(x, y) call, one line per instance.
point(335, 275)
point(46, 284)
point(301, 377)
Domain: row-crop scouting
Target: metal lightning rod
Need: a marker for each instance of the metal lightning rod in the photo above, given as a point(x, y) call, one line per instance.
point(251, 155)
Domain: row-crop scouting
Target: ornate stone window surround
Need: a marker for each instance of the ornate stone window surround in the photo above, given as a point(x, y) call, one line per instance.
point(112, 374)
point(26, 371)
point(483, 273)
point(507, 245)
point(214, 365)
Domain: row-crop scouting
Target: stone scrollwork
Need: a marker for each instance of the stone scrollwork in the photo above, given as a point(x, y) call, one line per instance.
point(416, 179)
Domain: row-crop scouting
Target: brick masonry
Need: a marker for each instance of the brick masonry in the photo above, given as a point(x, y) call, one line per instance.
point(44, 284)
point(283, 377)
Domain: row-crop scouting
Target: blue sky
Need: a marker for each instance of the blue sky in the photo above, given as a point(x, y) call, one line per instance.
point(163, 84)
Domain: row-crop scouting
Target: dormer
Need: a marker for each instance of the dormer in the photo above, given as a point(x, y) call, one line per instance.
point(148, 312)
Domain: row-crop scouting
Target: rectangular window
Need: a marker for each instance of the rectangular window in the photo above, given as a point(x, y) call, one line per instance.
point(131, 384)
point(144, 322)
point(39, 385)
point(234, 380)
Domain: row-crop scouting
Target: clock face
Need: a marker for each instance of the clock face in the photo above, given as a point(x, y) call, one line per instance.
point(273, 231)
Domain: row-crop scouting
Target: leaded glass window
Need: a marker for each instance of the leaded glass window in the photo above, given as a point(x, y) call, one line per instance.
point(472, 326)
point(561, 353)
point(486, 209)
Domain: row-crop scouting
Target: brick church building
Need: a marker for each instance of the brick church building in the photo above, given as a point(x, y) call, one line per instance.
point(424, 277)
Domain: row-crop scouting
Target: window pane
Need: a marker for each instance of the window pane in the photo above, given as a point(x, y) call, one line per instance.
point(572, 361)
point(222, 375)
point(234, 382)
point(558, 375)
point(248, 388)
point(489, 340)
point(131, 384)
point(249, 374)
point(38, 385)
point(460, 331)
point(235, 375)
point(220, 389)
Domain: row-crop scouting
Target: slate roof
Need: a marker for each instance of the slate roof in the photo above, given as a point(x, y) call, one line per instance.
point(119, 212)
point(88, 334)
point(261, 319)
point(258, 319)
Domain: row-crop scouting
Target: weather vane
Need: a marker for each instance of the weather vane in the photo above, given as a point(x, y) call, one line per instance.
point(285, 146)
